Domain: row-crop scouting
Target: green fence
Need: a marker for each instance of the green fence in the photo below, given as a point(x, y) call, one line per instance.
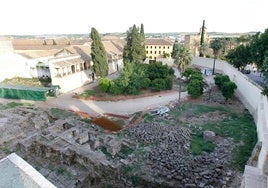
point(26, 92)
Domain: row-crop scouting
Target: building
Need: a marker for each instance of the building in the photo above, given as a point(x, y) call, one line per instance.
point(66, 62)
point(192, 42)
point(157, 48)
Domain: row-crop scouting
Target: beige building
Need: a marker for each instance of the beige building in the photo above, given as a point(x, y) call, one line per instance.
point(192, 42)
point(157, 48)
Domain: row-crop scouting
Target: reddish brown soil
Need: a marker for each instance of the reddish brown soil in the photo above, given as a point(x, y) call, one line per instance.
point(107, 124)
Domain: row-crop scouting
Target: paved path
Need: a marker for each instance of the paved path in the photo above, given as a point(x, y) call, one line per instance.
point(124, 107)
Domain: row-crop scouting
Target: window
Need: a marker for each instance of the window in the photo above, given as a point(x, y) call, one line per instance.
point(159, 47)
point(154, 52)
point(163, 47)
point(146, 51)
point(73, 68)
point(151, 46)
point(168, 47)
point(151, 52)
point(159, 52)
point(146, 47)
point(155, 47)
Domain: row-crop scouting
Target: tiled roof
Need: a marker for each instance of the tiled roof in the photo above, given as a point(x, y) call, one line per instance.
point(158, 42)
point(32, 54)
point(34, 48)
point(38, 44)
point(67, 63)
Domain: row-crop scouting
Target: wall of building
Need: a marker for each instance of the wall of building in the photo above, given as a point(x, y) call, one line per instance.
point(257, 104)
point(72, 81)
point(158, 51)
point(115, 66)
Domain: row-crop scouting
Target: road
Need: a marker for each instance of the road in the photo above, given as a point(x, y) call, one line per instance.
point(123, 107)
point(256, 77)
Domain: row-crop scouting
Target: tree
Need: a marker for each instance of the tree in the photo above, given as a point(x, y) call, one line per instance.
point(216, 45)
point(98, 55)
point(202, 39)
point(175, 49)
point(182, 57)
point(134, 50)
point(259, 48)
point(142, 33)
point(265, 73)
point(204, 49)
point(228, 89)
point(239, 57)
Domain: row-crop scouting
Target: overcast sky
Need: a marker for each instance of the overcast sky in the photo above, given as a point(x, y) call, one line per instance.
point(78, 16)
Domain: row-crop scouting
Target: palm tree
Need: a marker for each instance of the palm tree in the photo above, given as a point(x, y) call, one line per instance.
point(182, 58)
point(216, 45)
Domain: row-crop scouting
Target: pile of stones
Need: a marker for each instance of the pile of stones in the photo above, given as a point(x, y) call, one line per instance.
point(171, 163)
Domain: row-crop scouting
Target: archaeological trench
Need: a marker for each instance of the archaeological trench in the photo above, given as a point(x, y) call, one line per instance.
point(71, 151)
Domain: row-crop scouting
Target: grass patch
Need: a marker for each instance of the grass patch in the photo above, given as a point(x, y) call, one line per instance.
point(35, 82)
point(91, 92)
point(198, 145)
point(60, 114)
point(13, 105)
point(240, 127)
point(196, 109)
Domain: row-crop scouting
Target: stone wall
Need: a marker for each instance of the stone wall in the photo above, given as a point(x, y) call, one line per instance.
point(250, 95)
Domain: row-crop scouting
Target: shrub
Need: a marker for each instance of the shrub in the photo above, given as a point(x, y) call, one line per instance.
point(169, 82)
point(104, 84)
point(115, 88)
point(145, 83)
point(158, 84)
point(228, 89)
point(195, 88)
point(220, 79)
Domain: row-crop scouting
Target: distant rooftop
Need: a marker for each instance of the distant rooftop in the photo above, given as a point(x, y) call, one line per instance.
point(158, 42)
point(17, 173)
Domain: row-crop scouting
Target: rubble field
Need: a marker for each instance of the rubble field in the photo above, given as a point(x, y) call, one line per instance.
point(153, 148)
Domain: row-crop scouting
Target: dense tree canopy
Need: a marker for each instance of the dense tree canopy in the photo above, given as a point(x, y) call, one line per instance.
point(98, 55)
point(239, 57)
point(255, 51)
point(259, 48)
point(134, 50)
point(135, 77)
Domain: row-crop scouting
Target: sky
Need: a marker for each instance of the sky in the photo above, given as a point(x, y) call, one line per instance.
point(36, 17)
